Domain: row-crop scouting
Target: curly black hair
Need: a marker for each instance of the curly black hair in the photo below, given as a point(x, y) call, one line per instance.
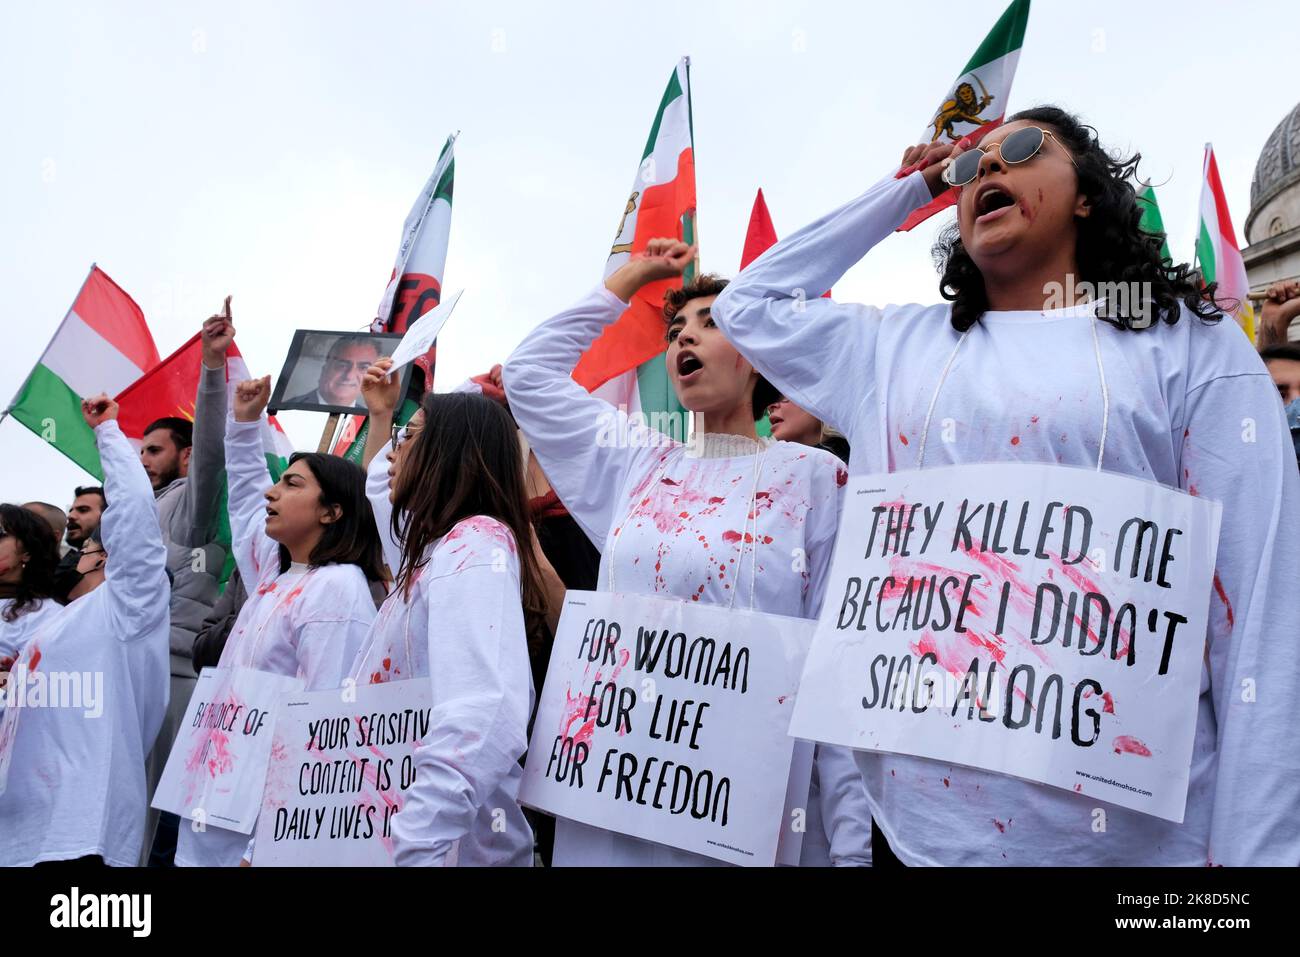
point(1112, 248)
point(34, 535)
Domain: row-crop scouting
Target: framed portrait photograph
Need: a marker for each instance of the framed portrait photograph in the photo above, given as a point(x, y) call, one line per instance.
point(324, 369)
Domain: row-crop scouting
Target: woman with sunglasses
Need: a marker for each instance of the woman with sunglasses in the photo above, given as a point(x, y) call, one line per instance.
point(1155, 387)
point(448, 497)
point(28, 557)
point(76, 789)
point(714, 520)
point(307, 549)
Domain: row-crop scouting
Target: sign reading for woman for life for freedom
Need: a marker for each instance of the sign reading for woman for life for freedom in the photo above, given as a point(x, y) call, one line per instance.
point(1039, 621)
point(666, 720)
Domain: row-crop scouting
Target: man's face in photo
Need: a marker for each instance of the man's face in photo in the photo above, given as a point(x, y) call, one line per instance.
point(346, 364)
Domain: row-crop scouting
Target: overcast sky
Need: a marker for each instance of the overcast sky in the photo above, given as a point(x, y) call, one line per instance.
point(272, 150)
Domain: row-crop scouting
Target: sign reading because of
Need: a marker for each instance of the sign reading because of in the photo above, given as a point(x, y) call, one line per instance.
point(340, 768)
point(1038, 621)
point(667, 721)
point(217, 764)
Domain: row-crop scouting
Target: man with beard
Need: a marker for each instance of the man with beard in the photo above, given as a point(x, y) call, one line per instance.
point(83, 518)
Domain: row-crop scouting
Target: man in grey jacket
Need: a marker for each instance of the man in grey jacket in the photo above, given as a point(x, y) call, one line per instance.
point(186, 464)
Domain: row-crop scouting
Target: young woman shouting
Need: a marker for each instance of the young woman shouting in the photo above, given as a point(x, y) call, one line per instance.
point(718, 519)
point(1018, 366)
point(307, 549)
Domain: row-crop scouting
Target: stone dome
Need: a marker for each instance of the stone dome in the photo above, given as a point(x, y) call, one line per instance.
point(1277, 171)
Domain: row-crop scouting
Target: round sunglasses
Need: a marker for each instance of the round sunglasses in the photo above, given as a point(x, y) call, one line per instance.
point(1020, 146)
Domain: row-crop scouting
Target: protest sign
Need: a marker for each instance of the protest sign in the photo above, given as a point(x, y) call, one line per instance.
point(666, 720)
point(341, 765)
point(217, 765)
point(422, 334)
point(1039, 621)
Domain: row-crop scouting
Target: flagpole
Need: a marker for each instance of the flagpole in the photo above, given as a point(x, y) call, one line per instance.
point(327, 437)
point(4, 413)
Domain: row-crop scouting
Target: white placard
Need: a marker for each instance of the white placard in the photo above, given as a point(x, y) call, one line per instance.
point(666, 720)
point(420, 335)
point(339, 771)
point(1039, 621)
point(217, 764)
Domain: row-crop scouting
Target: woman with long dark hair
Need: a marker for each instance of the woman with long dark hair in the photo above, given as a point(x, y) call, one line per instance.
point(448, 494)
point(307, 548)
point(1022, 365)
point(713, 520)
point(28, 557)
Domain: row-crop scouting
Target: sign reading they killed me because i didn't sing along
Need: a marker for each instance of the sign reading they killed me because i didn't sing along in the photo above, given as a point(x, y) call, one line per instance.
point(1040, 621)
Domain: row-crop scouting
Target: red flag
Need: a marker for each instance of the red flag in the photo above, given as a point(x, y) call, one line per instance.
point(761, 235)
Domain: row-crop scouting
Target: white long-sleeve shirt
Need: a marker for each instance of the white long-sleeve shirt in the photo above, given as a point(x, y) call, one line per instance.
point(1190, 406)
point(724, 520)
point(307, 621)
point(462, 630)
point(77, 780)
point(14, 634)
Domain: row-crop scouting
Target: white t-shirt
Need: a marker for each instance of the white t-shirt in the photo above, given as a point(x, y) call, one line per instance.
point(462, 629)
point(14, 634)
point(77, 778)
point(306, 621)
point(1190, 406)
point(716, 521)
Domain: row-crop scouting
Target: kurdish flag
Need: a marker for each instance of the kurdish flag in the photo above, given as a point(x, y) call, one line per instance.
point(1152, 222)
point(625, 365)
point(977, 100)
point(1216, 249)
point(102, 345)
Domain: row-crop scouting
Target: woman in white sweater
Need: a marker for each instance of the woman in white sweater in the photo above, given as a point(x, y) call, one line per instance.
point(448, 495)
point(719, 519)
point(1149, 384)
point(307, 548)
point(76, 786)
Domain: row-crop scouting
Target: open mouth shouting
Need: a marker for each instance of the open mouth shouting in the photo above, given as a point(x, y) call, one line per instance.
point(993, 201)
point(689, 367)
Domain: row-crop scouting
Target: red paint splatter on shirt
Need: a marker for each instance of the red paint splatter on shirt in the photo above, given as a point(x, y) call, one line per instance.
point(1015, 440)
point(1223, 597)
point(902, 438)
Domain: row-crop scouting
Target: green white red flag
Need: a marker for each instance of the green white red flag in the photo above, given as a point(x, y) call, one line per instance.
point(977, 100)
point(1217, 253)
point(625, 365)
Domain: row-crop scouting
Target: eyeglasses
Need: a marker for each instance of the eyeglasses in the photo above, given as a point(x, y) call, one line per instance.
point(402, 434)
point(1022, 145)
point(343, 366)
point(98, 551)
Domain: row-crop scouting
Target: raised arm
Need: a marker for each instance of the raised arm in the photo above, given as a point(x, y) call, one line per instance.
point(135, 573)
point(208, 458)
point(817, 351)
point(478, 666)
point(1237, 451)
point(248, 479)
point(585, 446)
